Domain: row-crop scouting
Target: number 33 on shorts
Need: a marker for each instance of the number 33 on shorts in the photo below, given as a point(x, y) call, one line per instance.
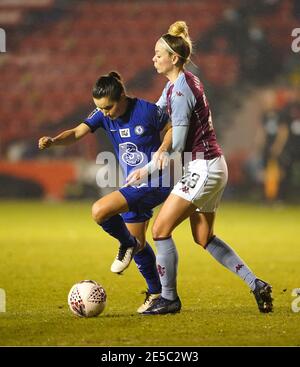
point(203, 183)
point(190, 179)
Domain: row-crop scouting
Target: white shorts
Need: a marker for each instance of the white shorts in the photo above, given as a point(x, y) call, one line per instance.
point(203, 183)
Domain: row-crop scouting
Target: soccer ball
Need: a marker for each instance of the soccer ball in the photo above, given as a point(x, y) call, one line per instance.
point(87, 298)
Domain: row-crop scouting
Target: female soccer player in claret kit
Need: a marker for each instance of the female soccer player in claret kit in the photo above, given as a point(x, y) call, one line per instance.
point(134, 127)
point(197, 195)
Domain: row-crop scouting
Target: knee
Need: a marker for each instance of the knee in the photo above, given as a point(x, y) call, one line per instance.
point(203, 241)
point(142, 241)
point(200, 242)
point(155, 231)
point(98, 213)
point(159, 230)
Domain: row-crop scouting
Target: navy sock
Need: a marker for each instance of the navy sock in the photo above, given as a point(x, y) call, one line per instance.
point(146, 263)
point(116, 227)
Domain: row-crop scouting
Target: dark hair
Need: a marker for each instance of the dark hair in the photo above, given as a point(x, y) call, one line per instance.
point(110, 85)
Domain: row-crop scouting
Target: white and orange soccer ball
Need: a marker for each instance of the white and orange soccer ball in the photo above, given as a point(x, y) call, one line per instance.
point(87, 299)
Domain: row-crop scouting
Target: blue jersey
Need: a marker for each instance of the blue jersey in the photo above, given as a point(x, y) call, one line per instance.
point(134, 135)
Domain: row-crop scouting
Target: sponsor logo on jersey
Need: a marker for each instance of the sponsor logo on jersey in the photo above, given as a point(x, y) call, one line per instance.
point(130, 154)
point(178, 93)
point(139, 130)
point(124, 133)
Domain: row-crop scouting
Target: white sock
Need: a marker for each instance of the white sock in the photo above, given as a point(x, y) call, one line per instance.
point(226, 256)
point(167, 262)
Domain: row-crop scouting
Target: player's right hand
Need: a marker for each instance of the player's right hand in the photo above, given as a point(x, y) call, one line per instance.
point(161, 159)
point(45, 142)
point(135, 177)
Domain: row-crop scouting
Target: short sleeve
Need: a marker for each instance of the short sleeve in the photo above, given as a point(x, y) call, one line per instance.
point(160, 118)
point(162, 102)
point(183, 102)
point(94, 120)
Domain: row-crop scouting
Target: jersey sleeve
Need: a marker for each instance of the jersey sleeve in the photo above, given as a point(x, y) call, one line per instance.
point(179, 136)
point(162, 102)
point(183, 102)
point(160, 118)
point(94, 120)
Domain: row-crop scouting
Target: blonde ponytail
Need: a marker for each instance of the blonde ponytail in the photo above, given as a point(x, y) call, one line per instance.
point(180, 29)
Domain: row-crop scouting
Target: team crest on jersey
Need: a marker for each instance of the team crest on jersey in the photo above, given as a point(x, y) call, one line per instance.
point(130, 154)
point(124, 133)
point(139, 130)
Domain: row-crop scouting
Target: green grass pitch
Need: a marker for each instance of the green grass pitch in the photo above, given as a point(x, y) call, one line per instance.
point(47, 247)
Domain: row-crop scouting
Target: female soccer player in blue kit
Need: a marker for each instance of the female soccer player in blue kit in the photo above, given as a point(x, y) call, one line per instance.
point(133, 126)
point(197, 195)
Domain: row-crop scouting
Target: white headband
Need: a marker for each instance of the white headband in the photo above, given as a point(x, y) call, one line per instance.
point(170, 49)
point(168, 46)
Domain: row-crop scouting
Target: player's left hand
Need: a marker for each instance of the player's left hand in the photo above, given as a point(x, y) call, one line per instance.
point(136, 176)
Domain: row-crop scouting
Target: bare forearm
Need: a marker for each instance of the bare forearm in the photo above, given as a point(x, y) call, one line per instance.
point(65, 138)
point(166, 144)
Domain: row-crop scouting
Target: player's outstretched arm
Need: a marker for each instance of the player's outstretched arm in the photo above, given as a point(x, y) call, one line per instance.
point(65, 138)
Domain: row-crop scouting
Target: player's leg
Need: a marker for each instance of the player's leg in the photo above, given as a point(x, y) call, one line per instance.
point(202, 226)
point(108, 206)
point(172, 213)
point(202, 229)
point(203, 233)
point(177, 208)
point(105, 212)
point(145, 260)
point(138, 230)
point(140, 202)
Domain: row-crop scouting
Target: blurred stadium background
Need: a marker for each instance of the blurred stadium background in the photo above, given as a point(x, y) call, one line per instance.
point(55, 50)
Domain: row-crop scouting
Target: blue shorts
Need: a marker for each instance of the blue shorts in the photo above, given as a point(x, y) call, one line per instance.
point(141, 201)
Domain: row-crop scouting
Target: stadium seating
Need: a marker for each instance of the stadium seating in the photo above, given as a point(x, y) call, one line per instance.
point(48, 74)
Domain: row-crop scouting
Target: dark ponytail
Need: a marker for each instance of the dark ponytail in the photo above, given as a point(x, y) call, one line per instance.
point(110, 85)
point(116, 75)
